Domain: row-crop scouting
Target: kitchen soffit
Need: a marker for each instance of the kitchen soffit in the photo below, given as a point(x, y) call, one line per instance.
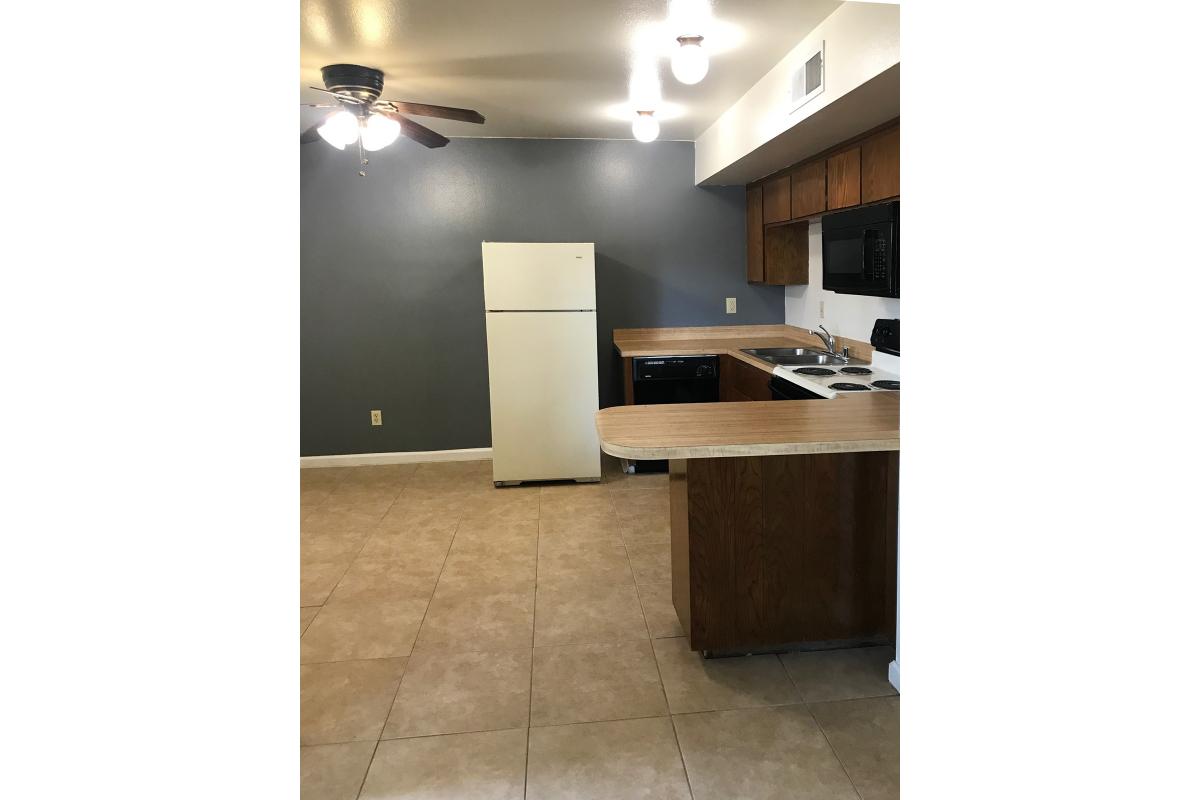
point(542, 68)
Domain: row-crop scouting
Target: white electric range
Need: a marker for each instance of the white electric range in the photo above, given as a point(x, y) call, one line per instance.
point(881, 375)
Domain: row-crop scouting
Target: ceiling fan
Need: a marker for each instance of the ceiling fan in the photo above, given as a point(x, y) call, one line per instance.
point(361, 117)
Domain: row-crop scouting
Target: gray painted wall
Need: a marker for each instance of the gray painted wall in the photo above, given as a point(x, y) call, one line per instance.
point(391, 289)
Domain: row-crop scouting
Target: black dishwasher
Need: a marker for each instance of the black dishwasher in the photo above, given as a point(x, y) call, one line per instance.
point(674, 379)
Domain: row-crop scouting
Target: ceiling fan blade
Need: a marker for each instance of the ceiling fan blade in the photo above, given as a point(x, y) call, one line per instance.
point(416, 131)
point(444, 112)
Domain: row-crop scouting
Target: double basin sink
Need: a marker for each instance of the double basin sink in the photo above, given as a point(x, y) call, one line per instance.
point(799, 357)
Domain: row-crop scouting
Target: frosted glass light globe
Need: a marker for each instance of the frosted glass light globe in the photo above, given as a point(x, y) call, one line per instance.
point(379, 131)
point(645, 126)
point(340, 130)
point(689, 63)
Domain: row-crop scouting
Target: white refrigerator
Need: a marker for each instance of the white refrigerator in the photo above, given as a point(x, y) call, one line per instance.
point(540, 301)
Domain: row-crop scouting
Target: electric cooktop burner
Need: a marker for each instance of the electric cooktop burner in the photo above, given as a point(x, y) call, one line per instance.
point(821, 371)
point(849, 387)
point(855, 371)
point(886, 384)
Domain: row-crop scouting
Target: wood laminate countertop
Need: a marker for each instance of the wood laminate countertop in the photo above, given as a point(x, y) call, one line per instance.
point(858, 423)
point(722, 340)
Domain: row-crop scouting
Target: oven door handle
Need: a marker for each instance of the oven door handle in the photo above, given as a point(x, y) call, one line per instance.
point(865, 254)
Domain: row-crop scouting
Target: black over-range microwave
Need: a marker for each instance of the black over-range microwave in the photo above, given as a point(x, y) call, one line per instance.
point(860, 250)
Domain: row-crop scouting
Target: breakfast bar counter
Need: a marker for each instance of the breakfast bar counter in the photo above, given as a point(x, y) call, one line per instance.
point(868, 422)
point(783, 516)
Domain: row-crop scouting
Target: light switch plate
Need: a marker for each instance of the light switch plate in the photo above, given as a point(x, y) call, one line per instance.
point(376, 417)
point(730, 305)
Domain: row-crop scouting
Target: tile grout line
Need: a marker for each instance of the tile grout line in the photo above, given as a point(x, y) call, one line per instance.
point(407, 659)
point(661, 684)
point(833, 750)
point(362, 784)
point(670, 715)
point(537, 554)
point(350, 562)
point(369, 533)
point(804, 702)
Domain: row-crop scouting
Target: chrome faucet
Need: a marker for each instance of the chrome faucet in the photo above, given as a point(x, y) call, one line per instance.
point(826, 339)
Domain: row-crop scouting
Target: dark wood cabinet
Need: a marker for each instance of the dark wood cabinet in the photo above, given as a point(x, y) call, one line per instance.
point(785, 254)
point(740, 382)
point(754, 234)
point(750, 381)
point(778, 550)
point(777, 200)
point(728, 393)
point(881, 166)
point(843, 174)
point(864, 169)
point(808, 190)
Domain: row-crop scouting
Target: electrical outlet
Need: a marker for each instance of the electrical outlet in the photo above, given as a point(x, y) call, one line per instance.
point(730, 305)
point(376, 417)
point(821, 310)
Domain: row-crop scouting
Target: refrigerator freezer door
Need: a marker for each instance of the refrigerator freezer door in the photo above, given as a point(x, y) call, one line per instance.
point(542, 371)
point(539, 276)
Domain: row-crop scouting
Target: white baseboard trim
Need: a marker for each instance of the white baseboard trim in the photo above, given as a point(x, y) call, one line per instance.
point(412, 457)
point(894, 675)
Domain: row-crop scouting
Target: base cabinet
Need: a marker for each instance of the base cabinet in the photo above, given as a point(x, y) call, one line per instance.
point(741, 381)
point(774, 551)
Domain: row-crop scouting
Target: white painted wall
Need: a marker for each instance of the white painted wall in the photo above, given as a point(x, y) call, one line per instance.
point(862, 40)
point(848, 315)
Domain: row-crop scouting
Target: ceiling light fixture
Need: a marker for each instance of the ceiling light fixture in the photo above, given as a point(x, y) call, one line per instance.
point(645, 126)
point(378, 132)
point(340, 129)
point(689, 64)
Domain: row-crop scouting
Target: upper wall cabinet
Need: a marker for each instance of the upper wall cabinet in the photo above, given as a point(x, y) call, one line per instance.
point(844, 171)
point(881, 166)
point(864, 169)
point(808, 190)
point(777, 200)
point(754, 234)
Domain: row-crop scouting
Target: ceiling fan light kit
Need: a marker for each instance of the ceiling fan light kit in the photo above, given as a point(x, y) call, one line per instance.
point(378, 132)
point(339, 129)
point(372, 123)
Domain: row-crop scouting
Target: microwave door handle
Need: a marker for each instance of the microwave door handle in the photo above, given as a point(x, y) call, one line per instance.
point(866, 271)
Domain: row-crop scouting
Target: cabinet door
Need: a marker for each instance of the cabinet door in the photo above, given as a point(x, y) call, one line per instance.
point(750, 381)
point(785, 254)
point(881, 166)
point(754, 234)
point(844, 181)
point(808, 190)
point(777, 199)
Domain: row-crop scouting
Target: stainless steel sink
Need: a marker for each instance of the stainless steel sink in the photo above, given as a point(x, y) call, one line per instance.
point(797, 356)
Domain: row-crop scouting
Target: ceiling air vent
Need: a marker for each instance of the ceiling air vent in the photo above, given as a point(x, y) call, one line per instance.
point(809, 78)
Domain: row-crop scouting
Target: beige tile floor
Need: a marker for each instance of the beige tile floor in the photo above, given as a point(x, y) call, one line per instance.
point(462, 641)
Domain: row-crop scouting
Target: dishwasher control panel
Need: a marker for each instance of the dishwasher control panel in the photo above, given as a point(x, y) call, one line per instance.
point(673, 368)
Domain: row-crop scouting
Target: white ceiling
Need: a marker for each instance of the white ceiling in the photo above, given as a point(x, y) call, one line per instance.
point(545, 68)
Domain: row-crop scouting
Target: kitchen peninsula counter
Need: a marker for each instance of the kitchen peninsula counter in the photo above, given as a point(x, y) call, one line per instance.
point(868, 422)
point(783, 513)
